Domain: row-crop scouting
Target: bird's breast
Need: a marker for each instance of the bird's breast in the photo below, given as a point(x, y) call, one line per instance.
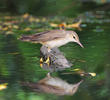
point(57, 43)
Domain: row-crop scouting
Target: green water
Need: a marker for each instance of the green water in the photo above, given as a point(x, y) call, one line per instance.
point(19, 61)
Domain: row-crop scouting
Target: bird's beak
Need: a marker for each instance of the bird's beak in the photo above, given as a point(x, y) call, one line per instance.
point(80, 44)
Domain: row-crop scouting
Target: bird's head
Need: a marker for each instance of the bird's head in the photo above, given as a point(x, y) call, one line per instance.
point(75, 38)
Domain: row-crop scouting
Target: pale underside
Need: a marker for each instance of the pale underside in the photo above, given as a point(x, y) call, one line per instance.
point(57, 42)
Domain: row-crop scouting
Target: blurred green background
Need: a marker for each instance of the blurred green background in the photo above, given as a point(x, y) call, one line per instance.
point(19, 61)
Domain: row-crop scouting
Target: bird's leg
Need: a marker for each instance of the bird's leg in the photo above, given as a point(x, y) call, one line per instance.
point(50, 53)
point(47, 61)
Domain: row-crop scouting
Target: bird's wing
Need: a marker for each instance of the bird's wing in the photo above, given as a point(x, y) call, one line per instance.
point(48, 36)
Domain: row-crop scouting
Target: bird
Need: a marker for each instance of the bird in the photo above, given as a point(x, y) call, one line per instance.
point(52, 85)
point(55, 61)
point(53, 38)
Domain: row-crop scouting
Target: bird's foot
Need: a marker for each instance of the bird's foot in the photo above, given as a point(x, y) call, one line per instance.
point(41, 62)
point(46, 62)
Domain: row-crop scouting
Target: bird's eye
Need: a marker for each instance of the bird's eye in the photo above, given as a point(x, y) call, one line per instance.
point(74, 37)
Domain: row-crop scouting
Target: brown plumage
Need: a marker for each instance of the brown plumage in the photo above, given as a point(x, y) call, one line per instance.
point(53, 38)
point(44, 36)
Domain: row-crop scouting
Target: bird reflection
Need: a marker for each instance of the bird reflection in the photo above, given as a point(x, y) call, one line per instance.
point(55, 62)
point(53, 85)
